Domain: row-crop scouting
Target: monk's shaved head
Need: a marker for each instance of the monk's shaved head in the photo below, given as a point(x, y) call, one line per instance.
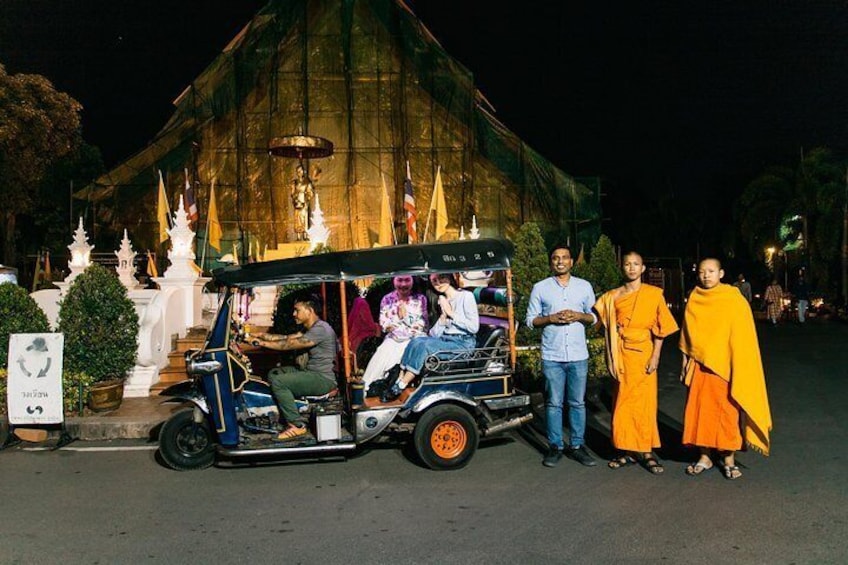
point(710, 259)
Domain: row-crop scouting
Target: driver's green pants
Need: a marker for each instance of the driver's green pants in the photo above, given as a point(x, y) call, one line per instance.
point(289, 382)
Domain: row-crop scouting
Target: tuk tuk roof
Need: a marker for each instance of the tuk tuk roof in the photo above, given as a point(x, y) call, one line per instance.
point(417, 259)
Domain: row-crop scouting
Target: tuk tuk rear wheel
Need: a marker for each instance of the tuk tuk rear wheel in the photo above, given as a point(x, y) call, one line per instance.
point(446, 437)
point(186, 445)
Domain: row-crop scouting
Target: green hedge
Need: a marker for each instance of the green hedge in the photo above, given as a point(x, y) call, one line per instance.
point(100, 326)
point(19, 313)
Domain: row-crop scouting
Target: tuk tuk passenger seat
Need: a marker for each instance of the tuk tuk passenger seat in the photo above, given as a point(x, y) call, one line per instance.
point(488, 349)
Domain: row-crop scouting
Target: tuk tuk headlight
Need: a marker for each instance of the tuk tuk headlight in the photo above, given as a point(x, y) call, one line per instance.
point(197, 366)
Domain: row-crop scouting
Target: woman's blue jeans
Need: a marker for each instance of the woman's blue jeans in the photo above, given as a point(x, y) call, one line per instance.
point(565, 378)
point(420, 348)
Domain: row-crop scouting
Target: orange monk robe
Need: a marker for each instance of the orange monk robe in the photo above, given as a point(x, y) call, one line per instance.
point(632, 322)
point(720, 339)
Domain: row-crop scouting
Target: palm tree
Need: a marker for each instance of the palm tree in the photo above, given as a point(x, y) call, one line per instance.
point(798, 209)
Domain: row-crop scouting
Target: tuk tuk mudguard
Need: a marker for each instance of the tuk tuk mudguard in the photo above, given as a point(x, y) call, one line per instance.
point(185, 391)
point(430, 398)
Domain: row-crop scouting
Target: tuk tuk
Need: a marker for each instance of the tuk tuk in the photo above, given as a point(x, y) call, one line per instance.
point(461, 396)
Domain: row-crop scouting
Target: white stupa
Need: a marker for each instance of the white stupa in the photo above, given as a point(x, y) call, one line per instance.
point(318, 233)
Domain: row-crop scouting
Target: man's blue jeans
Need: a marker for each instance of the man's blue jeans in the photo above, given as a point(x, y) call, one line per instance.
point(565, 378)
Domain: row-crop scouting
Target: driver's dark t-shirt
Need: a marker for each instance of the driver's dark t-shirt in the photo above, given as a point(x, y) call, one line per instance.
point(323, 354)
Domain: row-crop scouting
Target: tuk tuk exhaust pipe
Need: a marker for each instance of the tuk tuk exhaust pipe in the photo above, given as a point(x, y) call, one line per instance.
point(508, 424)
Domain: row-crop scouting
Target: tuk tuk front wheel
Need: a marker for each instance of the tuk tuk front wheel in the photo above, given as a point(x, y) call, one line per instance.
point(186, 445)
point(446, 437)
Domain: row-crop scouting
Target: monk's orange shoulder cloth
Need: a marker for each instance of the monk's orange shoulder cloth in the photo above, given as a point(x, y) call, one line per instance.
point(649, 313)
point(605, 307)
point(719, 333)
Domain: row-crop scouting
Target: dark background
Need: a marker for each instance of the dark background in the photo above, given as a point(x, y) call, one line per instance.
point(676, 105)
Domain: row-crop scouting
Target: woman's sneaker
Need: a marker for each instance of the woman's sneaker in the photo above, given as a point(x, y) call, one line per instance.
point(391, 394)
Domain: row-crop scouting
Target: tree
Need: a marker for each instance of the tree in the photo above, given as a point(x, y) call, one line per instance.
point(529, 265)
point(51, 213)
point(38, 126)
point(799, 211)
point(602, 269)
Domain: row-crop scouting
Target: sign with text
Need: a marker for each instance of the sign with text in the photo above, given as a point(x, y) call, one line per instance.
point(34, 386)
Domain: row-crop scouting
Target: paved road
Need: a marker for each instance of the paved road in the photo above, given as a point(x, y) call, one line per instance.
point(122, 507)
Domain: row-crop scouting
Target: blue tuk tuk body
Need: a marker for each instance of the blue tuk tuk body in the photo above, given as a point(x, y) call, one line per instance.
point(460, 397)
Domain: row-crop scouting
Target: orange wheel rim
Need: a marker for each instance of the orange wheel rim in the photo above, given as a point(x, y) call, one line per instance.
point(448, 439)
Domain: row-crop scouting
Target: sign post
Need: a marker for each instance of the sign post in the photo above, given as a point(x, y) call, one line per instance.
point(34, 383)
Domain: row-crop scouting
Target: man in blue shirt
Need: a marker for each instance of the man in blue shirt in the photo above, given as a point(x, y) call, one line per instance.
point(561, 305)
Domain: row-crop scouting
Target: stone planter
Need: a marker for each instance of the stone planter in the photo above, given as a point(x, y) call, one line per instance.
point(106, 395)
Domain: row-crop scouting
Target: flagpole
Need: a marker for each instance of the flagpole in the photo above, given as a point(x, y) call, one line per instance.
point(208, 219)
point(388, 206)
point(168, 217)
point(391, 216)
point(427, 227)
point(167, 203)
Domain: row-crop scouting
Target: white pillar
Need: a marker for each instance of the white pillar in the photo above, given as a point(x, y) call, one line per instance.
point(191, 296)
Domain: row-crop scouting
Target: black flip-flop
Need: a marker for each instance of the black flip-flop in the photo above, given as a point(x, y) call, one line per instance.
point(619, 462)
point(652, 465)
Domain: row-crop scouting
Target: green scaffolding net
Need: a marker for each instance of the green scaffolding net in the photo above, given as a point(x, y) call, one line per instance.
point(369, 77)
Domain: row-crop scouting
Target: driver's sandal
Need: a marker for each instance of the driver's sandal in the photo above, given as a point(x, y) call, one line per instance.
point(291, 433)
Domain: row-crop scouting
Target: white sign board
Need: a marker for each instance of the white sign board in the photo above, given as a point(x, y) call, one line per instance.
point(34, 386)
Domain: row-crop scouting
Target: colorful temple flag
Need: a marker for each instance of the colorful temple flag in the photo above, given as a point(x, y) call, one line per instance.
point(409, 206)
point(190, 200)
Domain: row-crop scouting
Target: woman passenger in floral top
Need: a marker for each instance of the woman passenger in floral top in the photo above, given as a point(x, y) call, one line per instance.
point(403, 315)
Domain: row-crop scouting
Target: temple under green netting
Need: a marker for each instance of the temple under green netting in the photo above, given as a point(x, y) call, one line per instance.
point(368, 77)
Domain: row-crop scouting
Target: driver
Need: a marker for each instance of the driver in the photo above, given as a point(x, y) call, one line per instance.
point(318, 378)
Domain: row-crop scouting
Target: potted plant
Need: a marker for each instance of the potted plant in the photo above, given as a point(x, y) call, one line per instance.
point(101, 331)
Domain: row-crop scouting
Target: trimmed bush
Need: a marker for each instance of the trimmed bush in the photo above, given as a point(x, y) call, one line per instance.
point(100, 326)
point(530, 264)
point(19, 313)
point(71, 393)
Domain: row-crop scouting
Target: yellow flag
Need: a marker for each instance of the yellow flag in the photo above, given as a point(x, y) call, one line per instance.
point(214, 231)
point(48, 271)
point(386, 236)
point(37, 274)
point(162, 211)
point(438, 207)
point(151, 266)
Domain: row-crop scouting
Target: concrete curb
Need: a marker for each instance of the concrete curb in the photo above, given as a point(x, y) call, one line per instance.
point(92, 429)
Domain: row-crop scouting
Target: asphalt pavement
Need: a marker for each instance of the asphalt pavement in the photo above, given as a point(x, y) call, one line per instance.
point(505, 507)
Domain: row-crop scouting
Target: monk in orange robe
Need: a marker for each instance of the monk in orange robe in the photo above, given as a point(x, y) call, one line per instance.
point(636, 320)
point(727, 405)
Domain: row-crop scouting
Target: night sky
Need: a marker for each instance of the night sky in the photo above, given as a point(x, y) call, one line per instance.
point(684, 101)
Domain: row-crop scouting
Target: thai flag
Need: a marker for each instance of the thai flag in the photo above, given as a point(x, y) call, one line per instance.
point(409, 206)
point(190, 200)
